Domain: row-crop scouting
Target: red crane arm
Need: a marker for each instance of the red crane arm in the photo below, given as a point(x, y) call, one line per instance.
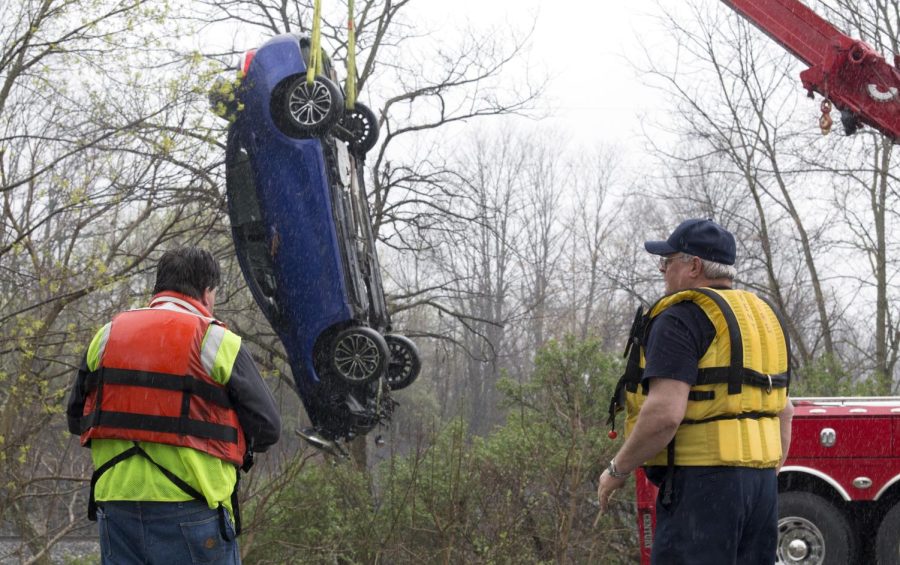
point(844, 70)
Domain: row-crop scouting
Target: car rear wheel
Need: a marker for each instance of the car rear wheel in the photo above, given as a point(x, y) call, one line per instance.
point(405, 363)
point(359, 355)
point(887, 542)
point(812, 531)
point(359, 128)
point(308, 109)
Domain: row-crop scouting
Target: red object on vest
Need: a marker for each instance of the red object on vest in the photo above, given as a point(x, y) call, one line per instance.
point(152, 386)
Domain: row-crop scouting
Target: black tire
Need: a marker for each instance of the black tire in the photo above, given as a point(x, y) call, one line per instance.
point(359, 128)
point(887, 542)
point(359, 355)
point(405, 364)
point(812, 531)
point(305, 110)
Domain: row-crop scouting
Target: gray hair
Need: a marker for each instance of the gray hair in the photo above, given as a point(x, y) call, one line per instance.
point(713, 270)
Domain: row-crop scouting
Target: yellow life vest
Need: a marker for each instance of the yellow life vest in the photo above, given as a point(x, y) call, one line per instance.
point(742, 383)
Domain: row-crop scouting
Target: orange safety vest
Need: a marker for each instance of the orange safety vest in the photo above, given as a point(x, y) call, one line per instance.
point(153, 385)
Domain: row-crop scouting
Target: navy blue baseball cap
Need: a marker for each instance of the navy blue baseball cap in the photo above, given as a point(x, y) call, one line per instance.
point(703, 238)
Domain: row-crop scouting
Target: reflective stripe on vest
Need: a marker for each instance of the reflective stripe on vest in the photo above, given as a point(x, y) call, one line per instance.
point(154, 383)
point(743, 377)
point(210, 348)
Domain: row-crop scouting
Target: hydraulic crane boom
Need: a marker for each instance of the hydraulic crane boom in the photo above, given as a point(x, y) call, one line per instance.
point(856, 79)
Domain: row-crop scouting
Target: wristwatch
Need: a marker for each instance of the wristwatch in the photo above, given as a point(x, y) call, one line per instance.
point(615, 473)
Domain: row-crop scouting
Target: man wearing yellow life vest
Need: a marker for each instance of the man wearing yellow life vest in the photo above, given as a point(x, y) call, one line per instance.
point(705, 392)
point(172, 406)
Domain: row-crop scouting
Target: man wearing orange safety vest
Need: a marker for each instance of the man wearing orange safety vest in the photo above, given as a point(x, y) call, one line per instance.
point(172, 405)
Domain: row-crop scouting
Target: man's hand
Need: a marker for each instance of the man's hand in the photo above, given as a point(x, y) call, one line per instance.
point(608, 484)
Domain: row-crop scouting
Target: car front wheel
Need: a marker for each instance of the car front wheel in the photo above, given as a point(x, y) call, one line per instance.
point(304, 109)
point(812, 531)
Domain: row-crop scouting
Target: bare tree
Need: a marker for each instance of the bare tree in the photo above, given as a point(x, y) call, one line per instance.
point(594, 220)
point(743, 114)
point(544, 234)
point(483, 260)
point(865, 197)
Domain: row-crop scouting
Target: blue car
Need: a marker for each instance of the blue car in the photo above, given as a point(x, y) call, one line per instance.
point(303, 236)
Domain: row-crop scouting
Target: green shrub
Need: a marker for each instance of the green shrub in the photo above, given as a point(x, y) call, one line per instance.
point(524, 494)
point(825, 377)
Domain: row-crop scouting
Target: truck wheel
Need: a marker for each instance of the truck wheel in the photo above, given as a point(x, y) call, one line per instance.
point(887, 542)
point(812, 531)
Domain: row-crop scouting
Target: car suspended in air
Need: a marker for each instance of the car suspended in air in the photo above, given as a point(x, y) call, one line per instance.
point(304, 240)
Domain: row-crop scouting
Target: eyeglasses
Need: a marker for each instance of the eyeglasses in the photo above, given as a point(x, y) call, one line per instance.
point(665, 261)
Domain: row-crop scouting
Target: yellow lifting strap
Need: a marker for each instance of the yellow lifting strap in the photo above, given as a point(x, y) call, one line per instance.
point(350, 94)
point(315, 50)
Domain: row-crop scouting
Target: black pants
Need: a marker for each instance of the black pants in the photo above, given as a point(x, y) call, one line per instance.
point(717, 516)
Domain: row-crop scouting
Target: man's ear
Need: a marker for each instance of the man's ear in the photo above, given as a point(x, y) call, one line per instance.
point(696, 267)
point(206, 298)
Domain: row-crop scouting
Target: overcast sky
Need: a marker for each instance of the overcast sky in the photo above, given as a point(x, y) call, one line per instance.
point(595, 93)
point(592, 51)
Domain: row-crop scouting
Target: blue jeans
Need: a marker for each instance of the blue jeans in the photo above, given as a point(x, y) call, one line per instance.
point(717, 516)
point(164, 533)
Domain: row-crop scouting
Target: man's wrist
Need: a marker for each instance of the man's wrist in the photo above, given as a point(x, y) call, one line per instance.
point(614, 472)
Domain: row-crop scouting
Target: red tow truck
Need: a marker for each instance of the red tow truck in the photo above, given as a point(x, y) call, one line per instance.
point(839, 490)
